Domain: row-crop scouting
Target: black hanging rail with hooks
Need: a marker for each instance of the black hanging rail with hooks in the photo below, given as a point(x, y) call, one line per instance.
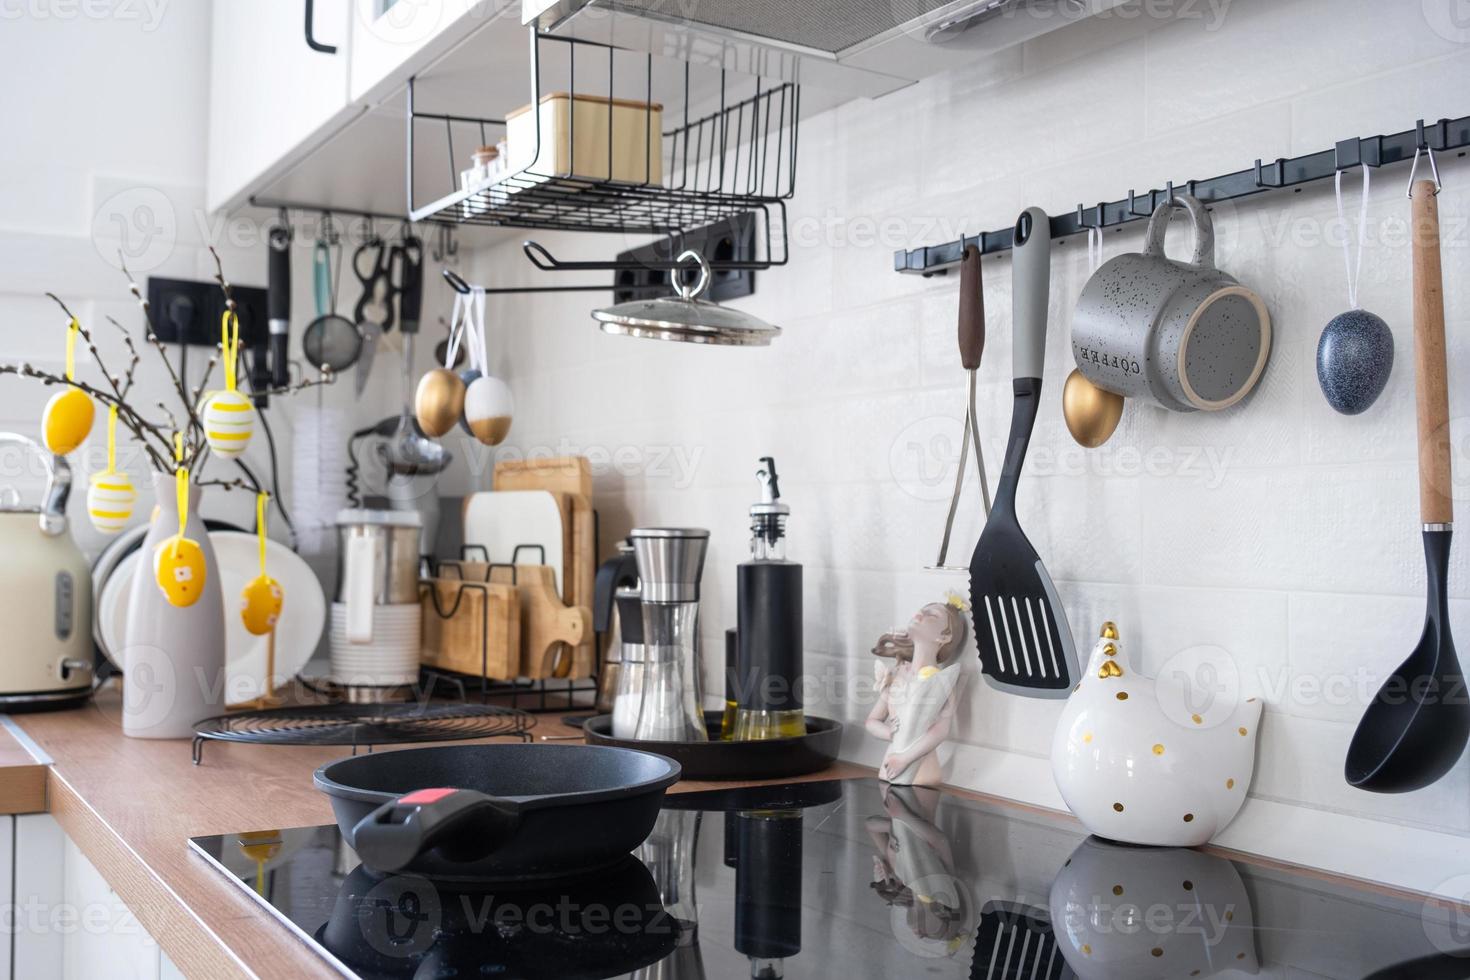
point(1374, 151)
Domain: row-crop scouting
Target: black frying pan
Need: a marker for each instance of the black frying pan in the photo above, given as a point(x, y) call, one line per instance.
point(497, 811)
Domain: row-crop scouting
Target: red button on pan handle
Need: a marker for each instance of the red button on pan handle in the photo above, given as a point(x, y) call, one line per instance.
point(423, 797)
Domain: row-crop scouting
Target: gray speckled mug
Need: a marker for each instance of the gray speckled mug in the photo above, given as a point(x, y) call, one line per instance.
point(1183, 335)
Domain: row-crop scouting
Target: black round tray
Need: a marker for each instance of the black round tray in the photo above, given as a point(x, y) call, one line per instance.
point(768, 759)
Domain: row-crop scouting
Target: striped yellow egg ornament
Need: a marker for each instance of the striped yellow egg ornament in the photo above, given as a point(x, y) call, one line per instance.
point(110, 501)
point(229, 422)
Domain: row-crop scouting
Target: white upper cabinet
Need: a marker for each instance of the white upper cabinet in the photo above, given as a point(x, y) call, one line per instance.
point(275, 88)
point(393, 39)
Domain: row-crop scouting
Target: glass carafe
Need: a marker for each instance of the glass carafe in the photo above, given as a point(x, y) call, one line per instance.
point(672, 704)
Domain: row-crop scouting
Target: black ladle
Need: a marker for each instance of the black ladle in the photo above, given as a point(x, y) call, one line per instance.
point(1417, 725)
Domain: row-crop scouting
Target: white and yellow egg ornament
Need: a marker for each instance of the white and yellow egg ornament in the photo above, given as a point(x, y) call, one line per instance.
point(229, 418)
point(229, 422)
point(111, 497)
point(67, 419)
point(178, 561)
point(262, 599)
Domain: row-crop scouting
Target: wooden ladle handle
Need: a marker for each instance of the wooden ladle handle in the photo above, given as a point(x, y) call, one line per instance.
point(1436, 504)
point(972, 310)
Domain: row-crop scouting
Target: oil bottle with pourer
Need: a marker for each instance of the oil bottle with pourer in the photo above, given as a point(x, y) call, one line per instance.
point(768, 623)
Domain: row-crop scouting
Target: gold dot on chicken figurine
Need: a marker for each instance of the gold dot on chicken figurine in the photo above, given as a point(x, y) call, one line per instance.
point(178, 568)
point(1109, 630)
point(1122, 695)
point(1118, 807)
point(1159, 749)
point(260, 604)
point(1189, 818)
point(1229, 784)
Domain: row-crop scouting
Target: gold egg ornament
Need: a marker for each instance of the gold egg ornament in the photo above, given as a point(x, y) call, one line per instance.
point(488, 408)
point(1092, 413)
point(110, 502)
point(67, 421)
point(438, 402)
point(261, 602)
point(178, 568)
point(229, 422)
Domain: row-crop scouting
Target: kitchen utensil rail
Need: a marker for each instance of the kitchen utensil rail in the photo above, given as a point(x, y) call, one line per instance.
point(1373, 151)
point(737, 158)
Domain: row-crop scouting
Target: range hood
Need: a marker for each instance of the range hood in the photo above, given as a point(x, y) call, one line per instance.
point(857, 47)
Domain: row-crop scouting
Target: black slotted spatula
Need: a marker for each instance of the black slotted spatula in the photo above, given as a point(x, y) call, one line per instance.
point(1021, 629)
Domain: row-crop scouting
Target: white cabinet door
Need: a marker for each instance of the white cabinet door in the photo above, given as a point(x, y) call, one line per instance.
point(393, 39)
point(39, 902)
point(272, 97)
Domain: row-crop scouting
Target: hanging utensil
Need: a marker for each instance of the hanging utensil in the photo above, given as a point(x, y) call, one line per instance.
point(1418, 723)
point(374, 311)
point(1026, 646)
point(686, 317)
point(278, 304)
point(972, 346)
point(330, 342)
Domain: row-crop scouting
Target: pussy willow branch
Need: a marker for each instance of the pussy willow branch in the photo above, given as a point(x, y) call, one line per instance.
point(135, 423)
point(133, 357)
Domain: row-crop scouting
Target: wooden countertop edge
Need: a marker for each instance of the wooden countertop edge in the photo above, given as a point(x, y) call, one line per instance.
point(23, 775)
point(188, 940)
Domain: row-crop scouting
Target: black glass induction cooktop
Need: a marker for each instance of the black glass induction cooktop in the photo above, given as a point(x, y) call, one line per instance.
point(850, 879)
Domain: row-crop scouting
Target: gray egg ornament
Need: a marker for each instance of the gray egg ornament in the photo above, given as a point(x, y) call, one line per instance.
point(1354, 358)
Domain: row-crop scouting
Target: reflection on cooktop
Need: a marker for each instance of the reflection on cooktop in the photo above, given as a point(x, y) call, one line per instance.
point(849, 879)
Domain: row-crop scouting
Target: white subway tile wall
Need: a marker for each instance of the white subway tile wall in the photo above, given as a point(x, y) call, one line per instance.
point(1278, 530)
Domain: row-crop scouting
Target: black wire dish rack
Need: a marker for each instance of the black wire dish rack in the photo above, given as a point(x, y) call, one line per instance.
point(731, 150)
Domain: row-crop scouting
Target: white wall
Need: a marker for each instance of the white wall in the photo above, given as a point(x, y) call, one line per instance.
point(1279, 530)
point(106, 105)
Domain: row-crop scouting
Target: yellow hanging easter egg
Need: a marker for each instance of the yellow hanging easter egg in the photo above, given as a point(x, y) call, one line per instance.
point(260, 604)
point(110, 501)
point(438, 402)
point(178, 568)
point(67, 420)
point(229, 422)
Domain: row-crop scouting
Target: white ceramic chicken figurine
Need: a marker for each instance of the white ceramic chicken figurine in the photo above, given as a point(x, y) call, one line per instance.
point(1143, 769)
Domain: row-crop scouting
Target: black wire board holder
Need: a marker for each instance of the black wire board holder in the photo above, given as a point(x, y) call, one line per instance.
point(1285, 172)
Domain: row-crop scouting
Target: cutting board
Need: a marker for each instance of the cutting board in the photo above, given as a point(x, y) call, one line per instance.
point(502, 520)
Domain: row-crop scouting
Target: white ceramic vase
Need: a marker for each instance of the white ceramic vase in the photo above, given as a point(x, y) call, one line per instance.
point(173, 658)
point(1139, 762)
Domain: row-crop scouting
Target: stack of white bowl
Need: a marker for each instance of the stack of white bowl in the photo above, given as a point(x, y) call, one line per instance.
point(389, 659)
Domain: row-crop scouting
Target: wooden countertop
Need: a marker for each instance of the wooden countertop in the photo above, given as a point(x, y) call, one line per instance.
point(132, 804)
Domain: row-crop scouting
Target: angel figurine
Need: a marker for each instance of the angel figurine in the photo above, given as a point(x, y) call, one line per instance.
point(917, 692)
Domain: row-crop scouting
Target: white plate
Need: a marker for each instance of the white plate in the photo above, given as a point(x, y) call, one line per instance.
point(303, 615)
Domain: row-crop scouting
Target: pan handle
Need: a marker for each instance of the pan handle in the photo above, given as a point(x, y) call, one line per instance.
point(464, 824)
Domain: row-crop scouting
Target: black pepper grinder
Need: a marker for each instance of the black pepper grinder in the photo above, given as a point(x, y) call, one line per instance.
point(768, 623)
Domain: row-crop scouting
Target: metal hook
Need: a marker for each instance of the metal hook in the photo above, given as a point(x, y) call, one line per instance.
point(456, 282)
point(1280, 179)
point(1422, 146)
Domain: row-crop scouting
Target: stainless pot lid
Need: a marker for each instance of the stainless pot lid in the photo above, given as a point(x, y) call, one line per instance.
point(686, 317)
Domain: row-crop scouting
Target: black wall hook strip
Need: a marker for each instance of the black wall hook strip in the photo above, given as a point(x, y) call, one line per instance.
point(1372, 151)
